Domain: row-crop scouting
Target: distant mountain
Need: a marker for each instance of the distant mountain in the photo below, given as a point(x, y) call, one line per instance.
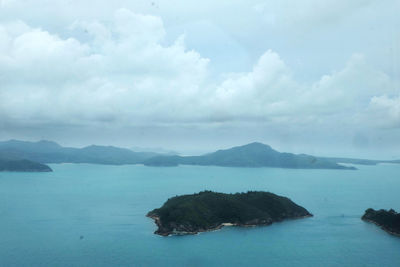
point(250, 155)
point(22, 165)
point(51, 152)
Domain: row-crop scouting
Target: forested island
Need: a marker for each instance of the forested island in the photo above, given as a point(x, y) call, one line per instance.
point(207, 210)
point(250, 155)
point(22, 165)
point(387, 220)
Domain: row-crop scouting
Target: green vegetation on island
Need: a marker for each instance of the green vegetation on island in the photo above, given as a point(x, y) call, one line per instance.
point(22, 165)
point(207, 210)
point(387, 220)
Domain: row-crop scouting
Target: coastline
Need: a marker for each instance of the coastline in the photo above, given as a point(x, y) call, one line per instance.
point(218, 227)
point(382, 227)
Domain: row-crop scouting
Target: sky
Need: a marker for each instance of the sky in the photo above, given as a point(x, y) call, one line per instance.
point(306, 76)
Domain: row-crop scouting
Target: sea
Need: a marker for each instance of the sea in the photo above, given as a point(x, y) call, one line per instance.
point(95, 215)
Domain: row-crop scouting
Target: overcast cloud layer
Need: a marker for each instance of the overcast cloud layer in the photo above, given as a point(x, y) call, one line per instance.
point(304, 76)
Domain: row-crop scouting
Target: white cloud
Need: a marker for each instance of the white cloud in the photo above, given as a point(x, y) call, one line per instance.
point(259, 93)
point(124, 72)
point(384, 111)
point(270, 93)
point(130, 74)
point(349, 89)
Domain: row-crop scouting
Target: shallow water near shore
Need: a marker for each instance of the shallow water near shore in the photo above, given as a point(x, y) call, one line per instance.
point(94, 215)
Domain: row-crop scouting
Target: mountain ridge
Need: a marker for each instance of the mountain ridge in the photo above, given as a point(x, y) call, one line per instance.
point(255, 154)
point(50, 152)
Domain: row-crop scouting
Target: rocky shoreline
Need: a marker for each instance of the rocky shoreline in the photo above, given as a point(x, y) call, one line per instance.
point(383, 228)
point(389, 221)
point(218, 227)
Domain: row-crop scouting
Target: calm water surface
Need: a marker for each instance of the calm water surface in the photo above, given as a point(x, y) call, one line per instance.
point(94, 215)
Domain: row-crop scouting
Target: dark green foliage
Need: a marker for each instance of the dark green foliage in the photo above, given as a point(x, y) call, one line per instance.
point(251, 155)
point(208, 210)
point(388, 220)
point(22, 165)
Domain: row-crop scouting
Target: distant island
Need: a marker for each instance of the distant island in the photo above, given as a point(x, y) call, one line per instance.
point(387, 220)
point(51, 152)
point(22, 165)
point(207, 211)
point(250, 155)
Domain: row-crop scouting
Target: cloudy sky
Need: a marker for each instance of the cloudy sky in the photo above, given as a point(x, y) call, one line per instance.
point(319, 77)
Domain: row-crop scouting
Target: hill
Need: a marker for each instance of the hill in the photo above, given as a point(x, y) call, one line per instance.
point(250, 155)
point(51, 152)
point(205, 211)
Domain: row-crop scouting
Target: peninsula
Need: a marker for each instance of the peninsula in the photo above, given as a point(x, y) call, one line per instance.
point(22, 165)
point(387, 220)
point(207, 211)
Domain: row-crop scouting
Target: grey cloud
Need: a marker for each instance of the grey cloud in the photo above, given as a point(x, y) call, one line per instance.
point(122, 68)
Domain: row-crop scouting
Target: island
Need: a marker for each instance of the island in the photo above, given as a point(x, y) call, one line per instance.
point(389, 221)
point(22, 165)
point(207, 211)
point(250, 155)
point(51, 152)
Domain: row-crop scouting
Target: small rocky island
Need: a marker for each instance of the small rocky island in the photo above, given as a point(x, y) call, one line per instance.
point(22, 165)
point(207, 211)
point(387, 220)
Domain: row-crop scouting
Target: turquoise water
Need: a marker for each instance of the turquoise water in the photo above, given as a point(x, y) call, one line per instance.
point(43, 216)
